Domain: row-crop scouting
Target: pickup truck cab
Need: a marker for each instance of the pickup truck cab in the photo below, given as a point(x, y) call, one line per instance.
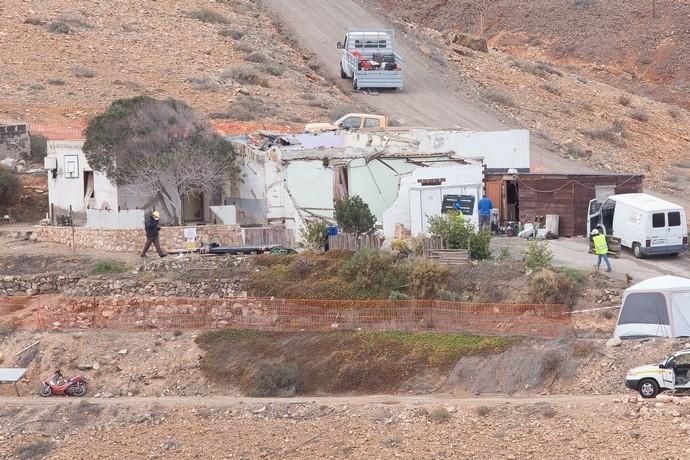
point(670, 374)
point(350, 121)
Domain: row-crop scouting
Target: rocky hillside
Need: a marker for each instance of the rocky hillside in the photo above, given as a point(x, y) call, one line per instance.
point(567, 107)
point(64, 60)
point(639, 44)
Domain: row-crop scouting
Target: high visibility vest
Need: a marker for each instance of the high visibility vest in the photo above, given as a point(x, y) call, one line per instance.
point(600, 246)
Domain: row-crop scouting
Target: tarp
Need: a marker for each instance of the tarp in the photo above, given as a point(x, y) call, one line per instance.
point(656, 307)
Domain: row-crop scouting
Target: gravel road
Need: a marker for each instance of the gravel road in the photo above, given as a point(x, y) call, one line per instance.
point(433, 96)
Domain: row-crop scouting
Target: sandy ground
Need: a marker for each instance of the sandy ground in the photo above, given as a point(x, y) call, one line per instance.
point(371, 427)
point(572, 252)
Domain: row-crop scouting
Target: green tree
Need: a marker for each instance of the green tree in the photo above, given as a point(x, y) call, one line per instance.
point(456, 233)
point(353, 215)
point(162, 146)
point(10, 188)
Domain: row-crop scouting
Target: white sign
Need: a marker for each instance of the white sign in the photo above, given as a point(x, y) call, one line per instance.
point(190, 233)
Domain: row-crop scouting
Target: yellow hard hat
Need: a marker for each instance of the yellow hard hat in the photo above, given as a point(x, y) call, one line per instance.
point(156, 214)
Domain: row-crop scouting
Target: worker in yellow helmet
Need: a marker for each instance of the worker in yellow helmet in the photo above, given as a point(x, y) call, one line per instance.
point(152, 229)
point(601, 249)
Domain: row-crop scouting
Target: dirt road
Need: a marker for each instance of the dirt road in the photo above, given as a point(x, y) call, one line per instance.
point(432, 96)
point(368, 400)
point(572, 252)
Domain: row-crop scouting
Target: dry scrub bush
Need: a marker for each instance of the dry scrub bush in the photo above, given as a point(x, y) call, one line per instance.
point(209, 16)
point(232, 33)
point(256, 57)
point(34, 450)
point(203, 84)
point(244, 47)
point(426, 278)
point(34, 21)
point(245, 75)
point(553, 89)
point(81, 71)
point(58, 27)
point(439, 415)
point(640, 115)
point(373, 274)
point(275, 379)
point(499, 97)
point(483, 411)
point(547, 286)
point(613, 133)
point(540, 69)
point(624, 100)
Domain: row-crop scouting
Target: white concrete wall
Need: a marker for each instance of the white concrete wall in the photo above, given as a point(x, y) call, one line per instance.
point(125, 219)
point(249, 193)
point(499, 149)
point(64, 192)
point(416, 203)
point(311, 186)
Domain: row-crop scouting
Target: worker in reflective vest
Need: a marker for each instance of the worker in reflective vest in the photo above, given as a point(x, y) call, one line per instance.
point(601, 249)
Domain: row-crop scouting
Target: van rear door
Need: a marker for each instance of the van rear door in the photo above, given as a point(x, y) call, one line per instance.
point(675, 230)
point(659, 233)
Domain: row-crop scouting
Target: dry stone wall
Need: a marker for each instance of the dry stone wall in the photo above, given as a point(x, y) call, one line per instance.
point(78, 284)
point(12, 285)
point(133, 240)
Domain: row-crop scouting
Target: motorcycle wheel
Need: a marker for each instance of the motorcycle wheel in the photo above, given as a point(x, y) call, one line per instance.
point(78, 389)
point(46, 391)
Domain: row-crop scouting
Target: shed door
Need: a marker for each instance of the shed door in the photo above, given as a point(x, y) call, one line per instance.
point(494, 190)
point(431, 205)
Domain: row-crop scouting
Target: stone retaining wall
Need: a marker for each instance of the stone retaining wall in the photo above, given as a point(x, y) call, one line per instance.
point(133, 240)
point(77, 284)
point(11, 285)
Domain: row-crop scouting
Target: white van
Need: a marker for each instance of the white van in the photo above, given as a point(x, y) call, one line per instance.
point(646, 224)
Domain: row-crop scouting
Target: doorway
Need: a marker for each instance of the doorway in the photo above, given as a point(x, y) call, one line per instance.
point(193, 208)
point(512, 196)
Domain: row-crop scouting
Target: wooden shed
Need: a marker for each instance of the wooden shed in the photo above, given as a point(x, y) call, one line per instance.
point(524, 197)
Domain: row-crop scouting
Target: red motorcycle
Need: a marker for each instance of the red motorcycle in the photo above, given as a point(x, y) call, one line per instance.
point(57, 385)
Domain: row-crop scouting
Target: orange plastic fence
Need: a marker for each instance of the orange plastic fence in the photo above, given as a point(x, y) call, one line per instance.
point(302, 314)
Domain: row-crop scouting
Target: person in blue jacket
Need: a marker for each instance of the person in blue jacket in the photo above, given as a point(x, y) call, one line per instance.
point(485, 206)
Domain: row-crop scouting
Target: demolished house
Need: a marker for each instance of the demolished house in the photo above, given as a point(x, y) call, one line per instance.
point(405, 176)
point(80, 196)
point(15, 141)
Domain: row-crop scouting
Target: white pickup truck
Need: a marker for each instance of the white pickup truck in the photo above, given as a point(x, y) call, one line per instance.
point(368, 58)
point(670, 374)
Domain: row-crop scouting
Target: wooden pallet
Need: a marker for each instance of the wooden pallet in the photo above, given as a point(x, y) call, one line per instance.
point(451, 256)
